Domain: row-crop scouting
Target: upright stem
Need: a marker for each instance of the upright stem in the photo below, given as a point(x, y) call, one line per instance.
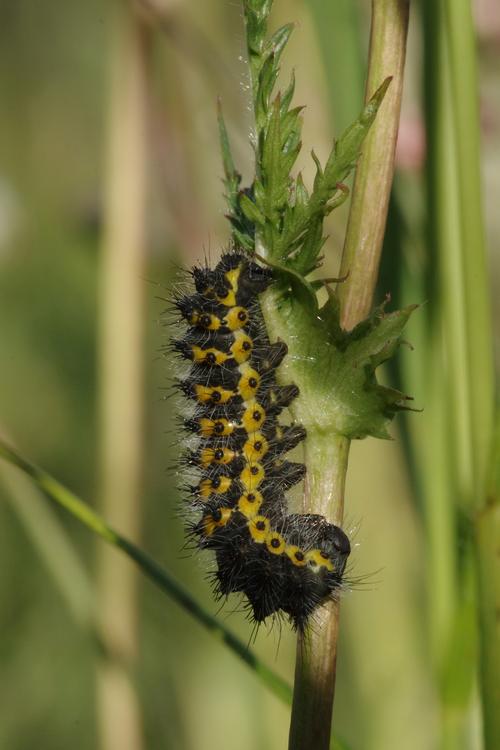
point(458, 235)
point(372, 186)
point(461, 50)
point(327, 456)
point(326, 460)
point(121, 373)
point(488, 563)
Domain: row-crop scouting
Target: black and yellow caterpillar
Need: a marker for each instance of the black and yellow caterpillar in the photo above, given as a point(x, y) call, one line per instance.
point(283, 563)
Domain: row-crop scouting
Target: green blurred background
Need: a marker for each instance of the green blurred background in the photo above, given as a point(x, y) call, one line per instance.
point(68, 150)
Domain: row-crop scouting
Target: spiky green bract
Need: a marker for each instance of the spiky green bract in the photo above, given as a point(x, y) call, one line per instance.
point(280, 221)
point(336, 368)
point(277, 208)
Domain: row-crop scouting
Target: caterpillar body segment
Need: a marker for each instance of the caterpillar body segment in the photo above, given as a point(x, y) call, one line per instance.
point(284, 564)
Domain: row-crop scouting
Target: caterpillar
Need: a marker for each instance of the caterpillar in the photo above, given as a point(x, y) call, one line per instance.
point(285, 564)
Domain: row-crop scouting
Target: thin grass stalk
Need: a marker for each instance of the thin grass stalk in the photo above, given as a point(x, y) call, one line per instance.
point(121, 372)
point(488, 561)
point(458, 236)
point(462, 65)
point(449, 396)
point(338, 30)
point(64, 498)
point(316, 651)
point(461, 51)
point(446, 397)
point(49, 539)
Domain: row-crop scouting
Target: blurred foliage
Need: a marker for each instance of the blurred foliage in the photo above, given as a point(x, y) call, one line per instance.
point(53, 78)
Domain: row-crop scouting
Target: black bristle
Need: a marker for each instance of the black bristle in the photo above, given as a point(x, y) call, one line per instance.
point(284, 564)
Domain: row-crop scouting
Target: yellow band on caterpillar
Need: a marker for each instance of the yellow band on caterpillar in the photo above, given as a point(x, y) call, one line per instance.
point(236, 318)
point(210, 427)
point(216, 520)
point(249, 503)
point(316, 559)
point(258, 528)
point(217, 394)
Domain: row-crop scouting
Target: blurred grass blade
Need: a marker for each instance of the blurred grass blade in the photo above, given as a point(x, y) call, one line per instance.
point(457, 234)
point(488, 561)
point(461, 50)
point(337, 26)
point(448, 372)
point(161, 577)
point(49, 538)
point(121, 369)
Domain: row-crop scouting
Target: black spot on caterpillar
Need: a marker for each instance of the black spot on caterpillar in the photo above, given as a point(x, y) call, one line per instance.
point(283, 563)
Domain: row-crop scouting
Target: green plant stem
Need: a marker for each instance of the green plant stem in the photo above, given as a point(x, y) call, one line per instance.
point(447, 393)
point(326, 460)
point(373, 181)
point(461, 50)
point(160, 577)
point(488, 562)
point(457, 235)
point(458, 38)
point(316, 659)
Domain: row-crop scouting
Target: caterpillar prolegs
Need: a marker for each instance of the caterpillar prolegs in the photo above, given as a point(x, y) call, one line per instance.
point(283, 563)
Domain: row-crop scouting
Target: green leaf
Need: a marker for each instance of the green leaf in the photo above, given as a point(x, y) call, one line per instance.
point(278, 41)
point(328, 190)
point(245, 240)
point(305, 261)
point(232, 178)
point(274, 173)
point(302, 289)
point(346, 152)
point(287, 95)
point(336, 368)
point(267, 78)
point(291, 125)
point(251, 211)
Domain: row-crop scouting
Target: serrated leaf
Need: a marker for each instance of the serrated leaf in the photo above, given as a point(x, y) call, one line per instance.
point(267, 78)
point(274, 165)
point(259, 7)
point(301, 194)
point(232, 177)
point(319, 170)
point(291, 124)
point(303, 291)
point(278, 41)
point(336, 368)
point(287, 95)
point(247, 242)
point(339, 199)
point(328, 190)
point(259, 193)
point(312, 242)
point(346, 151)
point(251, 211)
point(290, 154)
